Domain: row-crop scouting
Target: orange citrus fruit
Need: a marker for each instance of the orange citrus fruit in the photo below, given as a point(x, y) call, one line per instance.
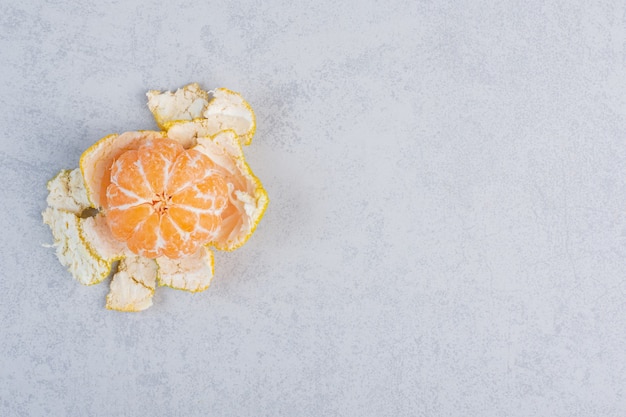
point(163, 200)
point(156, 200)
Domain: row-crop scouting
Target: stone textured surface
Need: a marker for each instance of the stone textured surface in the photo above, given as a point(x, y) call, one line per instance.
point(447, 226)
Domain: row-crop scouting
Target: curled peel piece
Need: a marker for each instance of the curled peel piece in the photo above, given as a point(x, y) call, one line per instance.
point(86, 266)
point(193, 273)
point(132, 287)
point(78, 240)
point(186, 103)
point(67, 192)
point(226, 110)
point(230, 111)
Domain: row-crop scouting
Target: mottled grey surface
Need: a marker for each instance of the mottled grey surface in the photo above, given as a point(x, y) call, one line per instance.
point(447, 227)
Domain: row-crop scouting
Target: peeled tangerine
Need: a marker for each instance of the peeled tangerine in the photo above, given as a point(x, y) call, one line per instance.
point(154, 202)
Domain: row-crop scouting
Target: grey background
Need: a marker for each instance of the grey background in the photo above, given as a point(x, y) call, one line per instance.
point(447, 226)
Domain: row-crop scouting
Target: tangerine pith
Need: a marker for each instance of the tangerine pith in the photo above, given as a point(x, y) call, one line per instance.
point(164, 200)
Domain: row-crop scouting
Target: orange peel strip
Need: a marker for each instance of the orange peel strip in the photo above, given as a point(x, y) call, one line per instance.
point(193, 273)
point(132, 287)
point(75, 238)
point(187, 103)
point(230, 111)
point(226, 110)
point(67, 192)
point(72, 250)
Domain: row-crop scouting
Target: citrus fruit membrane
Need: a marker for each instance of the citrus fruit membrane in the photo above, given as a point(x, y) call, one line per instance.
point(147, 206)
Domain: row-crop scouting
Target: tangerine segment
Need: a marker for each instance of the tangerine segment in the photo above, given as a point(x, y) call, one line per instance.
point(179, 243)
point(202, 226)
point(209, 226)
point(164, 200)
point(183, 217)
point(211, 195)
point(125, 221)
point(189, 168)
point(129, 176)
point(146, 238)
point(155, 159)
point(118, 196)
